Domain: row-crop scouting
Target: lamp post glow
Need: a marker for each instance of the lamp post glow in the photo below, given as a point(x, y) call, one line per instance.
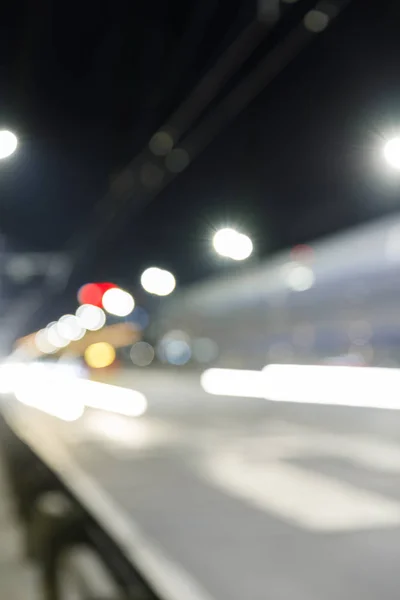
point(8, 143)
point(391, 152)
point(118, 302)
point(231, 244)
point(158, 281)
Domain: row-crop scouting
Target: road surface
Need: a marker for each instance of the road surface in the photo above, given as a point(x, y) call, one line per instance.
point(230, 498)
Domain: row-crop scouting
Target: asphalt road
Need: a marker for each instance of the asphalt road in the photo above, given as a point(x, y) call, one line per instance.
point(233, 498)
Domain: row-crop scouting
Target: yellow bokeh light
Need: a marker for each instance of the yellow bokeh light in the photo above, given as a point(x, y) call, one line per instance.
point(99, 355)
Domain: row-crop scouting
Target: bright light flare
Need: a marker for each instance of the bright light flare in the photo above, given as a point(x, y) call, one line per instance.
point(243, 249)
point(231, 244)
point(10, 374)
point(49, 392)
point(224, 242)
point(118, 302)
point(91, 317)
point(8, 143)
point(42, 398)
point(58, 390)
point(391, 152)
point(371, 387)
point(158, 281)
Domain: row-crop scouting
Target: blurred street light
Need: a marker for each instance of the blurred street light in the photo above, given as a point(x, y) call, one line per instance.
point(158, 281)
point(70, 328)
point(391, 152)
point(8, 143)
point(298, 277)
point(92, 293)
point(54, 338)
point(142, 354)
point(231, 244)
point(118, 302)
point(43, 344)
point(99, 355)
point(91, 317)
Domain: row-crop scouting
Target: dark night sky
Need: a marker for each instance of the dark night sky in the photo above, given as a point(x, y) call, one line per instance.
point(85, 88)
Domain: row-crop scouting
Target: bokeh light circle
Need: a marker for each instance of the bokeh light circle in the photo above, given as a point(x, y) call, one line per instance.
point(91, 317)
point(92, 293)
point(158, 281)
point(391, 152)
point(42, 343)
point(8, 143)
point(99, 355)
point(118, 302)
point(54, 337)
point(70, 328)
point(229, 243)
point(142, 354)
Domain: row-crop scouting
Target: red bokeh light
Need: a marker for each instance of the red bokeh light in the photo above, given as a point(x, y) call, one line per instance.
point(92, 293)
point(302, 252)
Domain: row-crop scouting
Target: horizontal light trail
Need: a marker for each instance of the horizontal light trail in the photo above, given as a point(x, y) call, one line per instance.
point(58, 391)
point(233, 382)
point(370, 387)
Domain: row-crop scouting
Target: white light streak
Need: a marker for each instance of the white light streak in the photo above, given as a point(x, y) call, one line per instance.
point(58, 390)
point(10, 374)
point(233, 382)
point(49, 392)
point(337, 385)
point(111, 398)
point(363, 387)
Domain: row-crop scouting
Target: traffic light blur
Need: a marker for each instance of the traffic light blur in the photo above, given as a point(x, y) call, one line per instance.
point(92, 293)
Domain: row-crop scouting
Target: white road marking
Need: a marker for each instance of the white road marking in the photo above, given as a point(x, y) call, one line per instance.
point(252, 469)
point(370, 452)
point(307, 499)
point(123, 436)
point(364, 451)
point(281, 440)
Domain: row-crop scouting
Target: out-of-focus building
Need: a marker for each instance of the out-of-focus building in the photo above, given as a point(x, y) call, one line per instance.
point(335, 305)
